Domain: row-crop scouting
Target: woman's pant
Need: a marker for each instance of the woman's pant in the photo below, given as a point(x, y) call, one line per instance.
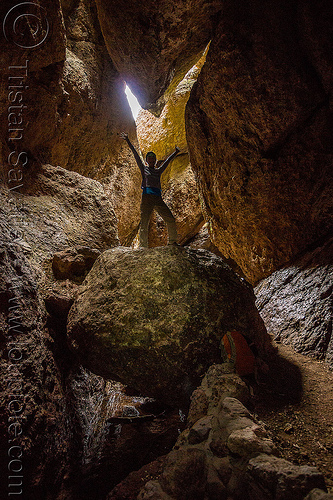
point(150, 202)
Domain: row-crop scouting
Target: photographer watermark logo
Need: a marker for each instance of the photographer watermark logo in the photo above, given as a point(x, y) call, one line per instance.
point(26, 25)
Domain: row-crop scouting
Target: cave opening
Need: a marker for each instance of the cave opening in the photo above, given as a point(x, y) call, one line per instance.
point(133, 102)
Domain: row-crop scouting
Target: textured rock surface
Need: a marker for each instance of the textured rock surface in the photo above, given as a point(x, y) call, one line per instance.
point(54, 208)
point(72, 96)
point(263, 107)
point(318, 494)
point(62, 409)
point(275, 478)
point(221, 455)
point(179, 188)
point(130, 487)
point(154, 44)
point(94, 111)
point(259, 132)
point(73, 262)
point(296, 303)
point(123, 188)
point(74, 105)
point(32, 394)
point(154, 319)
point(203, 240)
point(93, 106)
point(69, 103)
point(219, 382)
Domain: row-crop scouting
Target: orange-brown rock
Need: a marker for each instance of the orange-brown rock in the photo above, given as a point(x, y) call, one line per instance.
point(155, 43)
point(161, 134)
point(260, 135)
point(122, 186)
point(73, 103)
point(73, 98)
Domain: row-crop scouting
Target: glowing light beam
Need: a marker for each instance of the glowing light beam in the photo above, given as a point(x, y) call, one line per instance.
point(133, 102)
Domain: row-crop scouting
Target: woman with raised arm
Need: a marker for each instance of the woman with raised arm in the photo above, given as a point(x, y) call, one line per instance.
point(151, 172)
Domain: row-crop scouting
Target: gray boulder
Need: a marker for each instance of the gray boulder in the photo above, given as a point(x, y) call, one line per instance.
point(296, 302)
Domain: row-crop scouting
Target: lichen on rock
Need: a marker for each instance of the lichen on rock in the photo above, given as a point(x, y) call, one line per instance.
point(154, 319)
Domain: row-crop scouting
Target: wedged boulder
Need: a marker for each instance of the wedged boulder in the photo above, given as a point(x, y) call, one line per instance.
point(154, 318)
point(153, 44)
point(73, 262)
point(259, 132)
point(295, 303)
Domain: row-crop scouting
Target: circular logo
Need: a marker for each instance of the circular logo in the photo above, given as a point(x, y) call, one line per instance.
point(26, 25)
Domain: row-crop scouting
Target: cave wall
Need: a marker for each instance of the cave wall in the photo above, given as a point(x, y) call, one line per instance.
point(259, 132)
point(41, 434)
point(70, 105)
point(161, 135)
point(154, 44)
point(73, 97)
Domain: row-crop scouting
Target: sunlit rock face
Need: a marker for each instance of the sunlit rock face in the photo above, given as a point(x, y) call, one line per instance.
point(70, 105)
point(154, 318)
point(154, 43)
point(161, 135)
point(96, 110)
point(260, 136)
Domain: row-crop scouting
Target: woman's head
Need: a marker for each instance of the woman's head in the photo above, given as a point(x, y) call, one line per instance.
point(151, 158)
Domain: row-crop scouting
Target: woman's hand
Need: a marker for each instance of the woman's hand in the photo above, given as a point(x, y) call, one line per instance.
point(124, 135)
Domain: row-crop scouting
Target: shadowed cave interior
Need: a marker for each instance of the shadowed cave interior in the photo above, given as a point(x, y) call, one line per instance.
point(199, 371)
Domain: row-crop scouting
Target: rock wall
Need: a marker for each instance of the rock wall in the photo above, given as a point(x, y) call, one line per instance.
point(224, 453)
point(38, 409)
point(69, 103)
point(161, 135)
point(259, 131)
point(154, 44)
point(73, 98)
point(296, 305)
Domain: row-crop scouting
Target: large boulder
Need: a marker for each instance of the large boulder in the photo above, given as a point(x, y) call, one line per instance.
point(154, 319)
point(259, 132)
point(295, 303)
